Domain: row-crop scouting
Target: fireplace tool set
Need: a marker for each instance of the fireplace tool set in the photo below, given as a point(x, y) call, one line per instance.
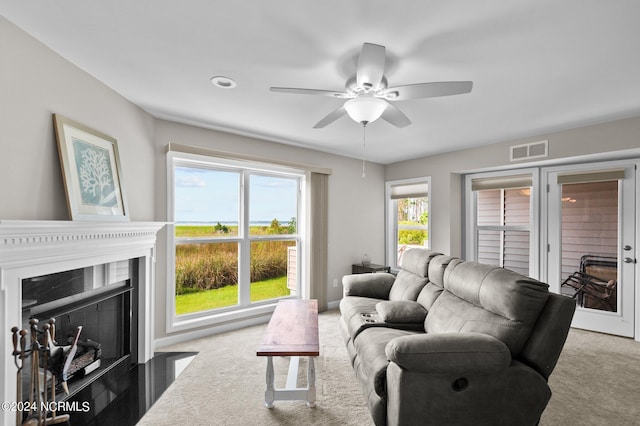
point(45, 361)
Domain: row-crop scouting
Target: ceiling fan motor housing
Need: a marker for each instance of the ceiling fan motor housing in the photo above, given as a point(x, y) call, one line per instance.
point(352, 88)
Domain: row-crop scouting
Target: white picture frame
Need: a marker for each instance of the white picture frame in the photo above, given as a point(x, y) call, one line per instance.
point(91, 172)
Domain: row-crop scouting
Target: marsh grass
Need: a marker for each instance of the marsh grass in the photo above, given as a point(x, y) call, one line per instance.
point(207, 273)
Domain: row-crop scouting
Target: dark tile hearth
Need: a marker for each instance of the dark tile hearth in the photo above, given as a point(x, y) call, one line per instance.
point(125, 393)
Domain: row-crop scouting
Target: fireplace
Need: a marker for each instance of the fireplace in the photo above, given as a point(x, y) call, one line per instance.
point(100, 300)
point(95, 275)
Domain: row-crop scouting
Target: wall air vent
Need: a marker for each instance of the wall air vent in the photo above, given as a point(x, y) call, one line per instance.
point(530, 150)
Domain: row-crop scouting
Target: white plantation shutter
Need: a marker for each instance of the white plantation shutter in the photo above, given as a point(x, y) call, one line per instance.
point(489, 208)
point(503, 222)
point(489, 216)
point(516, 242)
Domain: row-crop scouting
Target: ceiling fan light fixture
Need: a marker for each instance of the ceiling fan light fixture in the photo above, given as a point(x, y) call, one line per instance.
point(365, 109)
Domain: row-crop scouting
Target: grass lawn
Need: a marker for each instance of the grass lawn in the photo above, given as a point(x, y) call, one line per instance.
point(228, 296)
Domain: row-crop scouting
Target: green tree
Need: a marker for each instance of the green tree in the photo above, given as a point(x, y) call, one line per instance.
point(223, 229)
point(424, 218)
point(275, 227)
point(293, 226)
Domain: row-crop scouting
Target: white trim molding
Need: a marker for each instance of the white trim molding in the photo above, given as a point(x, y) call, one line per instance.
point(34, 248)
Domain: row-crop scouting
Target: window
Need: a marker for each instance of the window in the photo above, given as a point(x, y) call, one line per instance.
point(407, 217)
point(499, 218)
point(236, 234)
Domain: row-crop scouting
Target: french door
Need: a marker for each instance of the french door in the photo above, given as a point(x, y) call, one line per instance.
point(590, 220)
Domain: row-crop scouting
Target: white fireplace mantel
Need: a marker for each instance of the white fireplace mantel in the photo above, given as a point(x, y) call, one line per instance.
point(34, 248)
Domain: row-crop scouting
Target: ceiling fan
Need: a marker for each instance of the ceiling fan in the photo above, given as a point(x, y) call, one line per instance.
point(369, 96)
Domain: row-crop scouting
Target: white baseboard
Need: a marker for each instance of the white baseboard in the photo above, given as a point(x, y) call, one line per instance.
point(333, 305)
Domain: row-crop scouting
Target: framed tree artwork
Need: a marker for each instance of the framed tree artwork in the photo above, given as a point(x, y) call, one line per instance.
point(91, 171)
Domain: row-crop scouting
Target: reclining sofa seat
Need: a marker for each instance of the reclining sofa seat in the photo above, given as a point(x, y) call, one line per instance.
point(453, 342)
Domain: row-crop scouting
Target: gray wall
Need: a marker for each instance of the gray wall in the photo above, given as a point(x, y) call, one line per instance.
point(616, 139)
point(36, 82)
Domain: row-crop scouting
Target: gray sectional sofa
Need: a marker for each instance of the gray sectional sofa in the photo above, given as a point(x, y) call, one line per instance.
point(450, 342)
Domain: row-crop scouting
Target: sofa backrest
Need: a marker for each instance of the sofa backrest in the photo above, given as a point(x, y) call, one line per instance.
point(413, 275)
point(490, 300)
point(434, 287)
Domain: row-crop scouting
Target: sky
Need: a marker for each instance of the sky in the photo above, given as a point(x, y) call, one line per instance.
point(203, 195)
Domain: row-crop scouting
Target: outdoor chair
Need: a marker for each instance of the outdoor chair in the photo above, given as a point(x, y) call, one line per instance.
point(595, 283)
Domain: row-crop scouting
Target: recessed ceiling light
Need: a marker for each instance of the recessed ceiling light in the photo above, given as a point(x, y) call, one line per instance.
point(223, 82)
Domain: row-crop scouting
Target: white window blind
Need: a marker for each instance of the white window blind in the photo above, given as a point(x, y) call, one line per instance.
point(410, 190)
point(502, 182)
point(584, 177)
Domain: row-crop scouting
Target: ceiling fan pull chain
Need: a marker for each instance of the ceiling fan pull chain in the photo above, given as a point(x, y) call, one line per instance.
point(364, 131)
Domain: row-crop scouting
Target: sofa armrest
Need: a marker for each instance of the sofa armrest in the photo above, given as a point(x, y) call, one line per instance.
point(376, 285)
point(401, 312)
point(449, 352)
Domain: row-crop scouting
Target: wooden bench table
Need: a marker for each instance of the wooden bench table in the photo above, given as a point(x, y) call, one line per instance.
point(292, 332)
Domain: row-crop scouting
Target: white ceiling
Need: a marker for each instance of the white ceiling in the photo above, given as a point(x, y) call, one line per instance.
point(537, 66)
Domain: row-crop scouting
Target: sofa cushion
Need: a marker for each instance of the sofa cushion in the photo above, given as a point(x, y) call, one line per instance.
point(434, 287)
point(407, 286)
point(416, 261)
point(401, 312)
point(371, 366)
point(437, 266)
point(491, 300)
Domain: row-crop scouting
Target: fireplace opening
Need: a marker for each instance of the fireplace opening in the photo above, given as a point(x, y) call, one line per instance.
point(92, 307)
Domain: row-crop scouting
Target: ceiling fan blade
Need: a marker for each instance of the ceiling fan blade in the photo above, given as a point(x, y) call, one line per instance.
point(370, 68)
point(427, 90)
point(394, 116)
point(316, 92)
point(333, 116)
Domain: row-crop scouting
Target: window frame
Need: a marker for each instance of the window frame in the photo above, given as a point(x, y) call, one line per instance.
point(391, 219)
point(245, 309)
point(471, 220)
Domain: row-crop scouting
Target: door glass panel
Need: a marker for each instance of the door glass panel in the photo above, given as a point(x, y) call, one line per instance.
point(589, 244)
point(273, 269)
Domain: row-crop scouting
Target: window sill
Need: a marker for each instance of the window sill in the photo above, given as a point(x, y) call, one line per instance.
point(214, 318)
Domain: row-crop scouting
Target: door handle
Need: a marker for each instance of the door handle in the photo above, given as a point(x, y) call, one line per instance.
point(626, 248)
point(628, 260)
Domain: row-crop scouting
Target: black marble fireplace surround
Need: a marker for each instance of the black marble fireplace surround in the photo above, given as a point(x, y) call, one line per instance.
point(98, 300)
point(118, 391)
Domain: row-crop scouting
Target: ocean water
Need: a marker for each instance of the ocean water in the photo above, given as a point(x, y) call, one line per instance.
point(228, 223)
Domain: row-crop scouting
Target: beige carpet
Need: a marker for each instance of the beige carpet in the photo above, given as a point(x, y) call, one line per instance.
point(596, 382)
